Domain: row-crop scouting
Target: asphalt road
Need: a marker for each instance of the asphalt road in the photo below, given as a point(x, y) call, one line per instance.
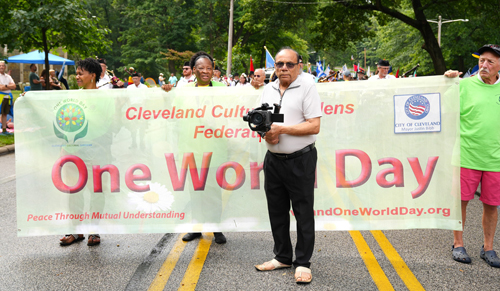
point(388, 260)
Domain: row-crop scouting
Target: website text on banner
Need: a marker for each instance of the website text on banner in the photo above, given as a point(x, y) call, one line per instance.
point(148, 161)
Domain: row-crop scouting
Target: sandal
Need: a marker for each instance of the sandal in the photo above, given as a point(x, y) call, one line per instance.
point(459, 254)
point(490, 257)
point(299, 279)
point(70, 239)
point(94, 239)
point(271, 265)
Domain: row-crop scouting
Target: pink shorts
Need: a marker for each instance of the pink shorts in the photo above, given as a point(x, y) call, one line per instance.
point(490, 185)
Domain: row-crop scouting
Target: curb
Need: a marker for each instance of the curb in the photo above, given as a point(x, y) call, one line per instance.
point(7, 149)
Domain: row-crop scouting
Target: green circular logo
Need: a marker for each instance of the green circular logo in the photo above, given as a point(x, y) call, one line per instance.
point(70, 117)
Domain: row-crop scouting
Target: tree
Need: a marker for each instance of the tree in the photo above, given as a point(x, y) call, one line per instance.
point(50, 24)
point(349, 17)
point(155, 26)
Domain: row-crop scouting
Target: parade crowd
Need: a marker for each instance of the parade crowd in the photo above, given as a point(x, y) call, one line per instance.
point(290, 162)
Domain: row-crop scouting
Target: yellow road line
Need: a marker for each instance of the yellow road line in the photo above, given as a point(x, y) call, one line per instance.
point(371, 263)
point(194, 268)
point(168, 266)
point(397, 262)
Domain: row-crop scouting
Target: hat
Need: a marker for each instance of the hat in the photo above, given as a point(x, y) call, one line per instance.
point(186, 64)
point(135, 74)
point(131, 69)
point(243, 75)
point(383, 63)
point(161, 74)
point(217, 68)
point(347, 73)
point(361, 71)
point(492, 47)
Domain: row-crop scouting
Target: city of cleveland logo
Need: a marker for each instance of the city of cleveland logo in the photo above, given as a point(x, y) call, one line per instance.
point(70, 123)
point(417, 107)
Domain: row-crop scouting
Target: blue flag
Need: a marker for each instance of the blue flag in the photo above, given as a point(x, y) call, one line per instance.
point(319, 70)
point(269, 60)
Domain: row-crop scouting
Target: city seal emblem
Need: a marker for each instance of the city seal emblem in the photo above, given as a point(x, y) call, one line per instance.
point(417, 107)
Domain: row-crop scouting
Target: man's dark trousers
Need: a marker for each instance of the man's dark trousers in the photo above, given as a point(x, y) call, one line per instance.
point(291, 180)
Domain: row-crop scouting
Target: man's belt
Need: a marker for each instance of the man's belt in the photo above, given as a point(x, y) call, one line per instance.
point(294, 154)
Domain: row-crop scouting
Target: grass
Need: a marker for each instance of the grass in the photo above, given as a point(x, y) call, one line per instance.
point(6, 140)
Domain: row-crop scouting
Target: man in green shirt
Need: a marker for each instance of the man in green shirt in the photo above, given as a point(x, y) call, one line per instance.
point(35, 82)
point(480, 149)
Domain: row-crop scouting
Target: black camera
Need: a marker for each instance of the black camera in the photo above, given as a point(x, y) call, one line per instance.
point(260, 119)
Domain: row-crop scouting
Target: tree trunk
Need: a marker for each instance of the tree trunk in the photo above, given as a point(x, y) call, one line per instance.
point(210, 34)
point(171, 67)
point(432, 47)
point(263, 58)
point(431, 44)
point(46, 51)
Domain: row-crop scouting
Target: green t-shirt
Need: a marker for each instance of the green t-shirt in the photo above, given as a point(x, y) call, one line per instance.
point(34, 86)
point(479, 125)
point(214, 84)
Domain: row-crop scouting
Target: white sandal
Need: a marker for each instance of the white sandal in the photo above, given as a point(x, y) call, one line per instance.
point(276, 265)
point(299, 271)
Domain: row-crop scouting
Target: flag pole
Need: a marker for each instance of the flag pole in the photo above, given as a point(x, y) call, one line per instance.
point(269, 53)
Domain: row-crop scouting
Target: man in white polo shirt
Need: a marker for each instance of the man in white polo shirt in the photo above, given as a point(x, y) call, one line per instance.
point(137, 82)
point(290, 164)
point(383, 71)
point(6, 84)
point(188, 76)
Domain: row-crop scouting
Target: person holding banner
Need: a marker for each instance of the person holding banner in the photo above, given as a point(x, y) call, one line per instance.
point(88, 74)
point(290, 164)
point(480, 150)
point(203, 66)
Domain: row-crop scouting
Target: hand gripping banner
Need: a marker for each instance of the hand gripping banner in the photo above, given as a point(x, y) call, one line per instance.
point(147, 161)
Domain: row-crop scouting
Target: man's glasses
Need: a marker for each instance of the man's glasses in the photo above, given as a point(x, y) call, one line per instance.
point(256, 76)
point(288, 65)
point(185, 69)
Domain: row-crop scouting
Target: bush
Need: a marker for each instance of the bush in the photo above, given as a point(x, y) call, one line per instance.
point(72, 82)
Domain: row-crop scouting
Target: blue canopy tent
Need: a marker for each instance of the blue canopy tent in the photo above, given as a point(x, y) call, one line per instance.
point(37, 57)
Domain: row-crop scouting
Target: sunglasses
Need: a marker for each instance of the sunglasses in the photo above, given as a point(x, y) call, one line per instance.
point(185, 69)
point(257, 76)
point(289, 65)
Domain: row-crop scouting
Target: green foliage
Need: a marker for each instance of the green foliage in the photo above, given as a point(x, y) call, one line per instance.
point(72, 82)
point(44, 25)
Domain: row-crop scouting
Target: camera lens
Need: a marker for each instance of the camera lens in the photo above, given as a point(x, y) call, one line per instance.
point(257, 118)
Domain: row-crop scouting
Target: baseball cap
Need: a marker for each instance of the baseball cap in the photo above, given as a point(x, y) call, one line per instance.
point(492, 47)
point(347, 73)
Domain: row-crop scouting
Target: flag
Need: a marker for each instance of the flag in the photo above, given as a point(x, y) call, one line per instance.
point(467, 75)
point(397, 73)
point(368, 72)
point(309, 68)
point(62, 71)
point(251, 65)
point(344, 68)
point(355, 67)
point(390, 71)
point(352, 58)
point(269, 59)
point(474, 70)
point(327, 71)
point(415, 74)
point(319, 70)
